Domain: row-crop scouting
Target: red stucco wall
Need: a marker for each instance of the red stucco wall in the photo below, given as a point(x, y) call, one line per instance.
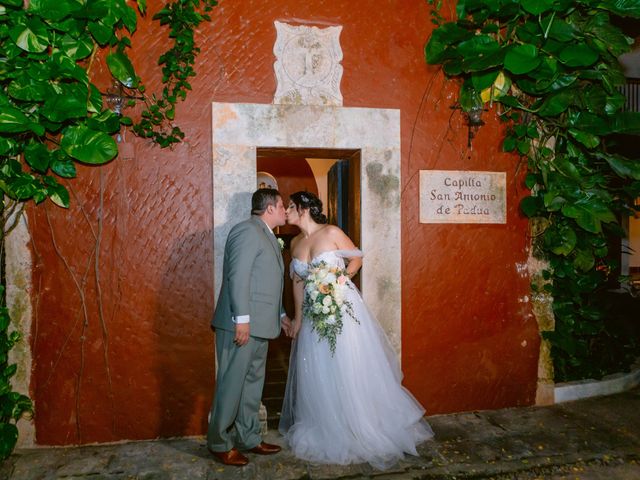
point(121, 343)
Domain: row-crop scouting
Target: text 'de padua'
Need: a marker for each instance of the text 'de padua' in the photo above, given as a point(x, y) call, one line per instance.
point(448, 196)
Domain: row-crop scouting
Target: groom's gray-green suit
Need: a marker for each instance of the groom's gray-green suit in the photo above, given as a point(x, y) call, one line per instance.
point(252, 283)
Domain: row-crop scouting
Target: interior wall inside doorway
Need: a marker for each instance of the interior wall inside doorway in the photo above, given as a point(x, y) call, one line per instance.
point(292, 175)
point(320, 168)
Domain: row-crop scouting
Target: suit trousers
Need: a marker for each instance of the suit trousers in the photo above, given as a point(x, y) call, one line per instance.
point(234, 414)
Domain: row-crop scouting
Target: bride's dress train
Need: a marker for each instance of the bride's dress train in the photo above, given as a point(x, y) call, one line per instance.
point(349, 407)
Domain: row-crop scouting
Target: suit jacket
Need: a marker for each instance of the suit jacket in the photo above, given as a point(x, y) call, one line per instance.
point(252, 280)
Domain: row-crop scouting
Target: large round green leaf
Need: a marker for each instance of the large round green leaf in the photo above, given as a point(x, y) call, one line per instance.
point(561, 239)
point(101, 32)
point(56, 192)
point(623, 8)
point(7, 145)
point(478, 45)
point(483, 62)
point(578, 55)
point(22, 186)
point(61, 66)
point(13, 120)
point(54, 9)
point(624, 167)
point(452, 67)
point(129, 18)
point(589, 140)
point(536, 7)
point(530, 206)
point(521, 59)
point(8, 439)
point(71, 102)
point(556, 104)
point(584, 260)
point(106, 121)
point(566, 167)
point(589, 213)
point(588, 122)
point(610, 37)
point(63, 169)
point(94, 104)
point(469, 97)
point(37, 156)
point(559, 29)
point(76, 48)
point(625, 122)
point(446, 35)
point(28, 88)
point(122, 69)
point(546, 71)
point(31, 36)
point(484, 79)
point(88, 146)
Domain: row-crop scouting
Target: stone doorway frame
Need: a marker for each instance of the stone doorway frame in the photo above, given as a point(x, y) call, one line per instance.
point(238, 129)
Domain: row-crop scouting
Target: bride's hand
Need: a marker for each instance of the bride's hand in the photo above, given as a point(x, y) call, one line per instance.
point(286, 325)
point(296, 323)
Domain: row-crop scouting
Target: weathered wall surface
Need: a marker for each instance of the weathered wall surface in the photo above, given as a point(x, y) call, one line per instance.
point(123, 280)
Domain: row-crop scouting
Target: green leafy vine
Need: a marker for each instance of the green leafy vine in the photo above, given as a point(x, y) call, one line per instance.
point(183, 17)
point(551, 67)
point(52, 116)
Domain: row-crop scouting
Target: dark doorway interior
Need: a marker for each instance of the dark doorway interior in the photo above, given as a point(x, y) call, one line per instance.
point(292, 172)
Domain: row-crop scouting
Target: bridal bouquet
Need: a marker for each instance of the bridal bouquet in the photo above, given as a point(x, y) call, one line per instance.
point(324, 304)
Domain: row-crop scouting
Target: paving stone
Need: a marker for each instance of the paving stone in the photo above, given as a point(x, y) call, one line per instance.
point(594, 439)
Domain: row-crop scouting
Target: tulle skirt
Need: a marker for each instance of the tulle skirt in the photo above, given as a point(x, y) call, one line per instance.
point(350, 407)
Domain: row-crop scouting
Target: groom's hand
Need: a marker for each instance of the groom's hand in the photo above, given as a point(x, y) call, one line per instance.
point(286, 325)
point(242, 334)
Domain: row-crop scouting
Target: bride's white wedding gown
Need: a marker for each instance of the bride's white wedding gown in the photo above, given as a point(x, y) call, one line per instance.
point(349, 407)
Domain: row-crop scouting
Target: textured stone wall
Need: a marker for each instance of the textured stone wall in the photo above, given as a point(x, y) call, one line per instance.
point(123, 280)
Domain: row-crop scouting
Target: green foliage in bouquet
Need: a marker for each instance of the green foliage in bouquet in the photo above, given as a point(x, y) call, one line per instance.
point(551, 66)
point(324, 304)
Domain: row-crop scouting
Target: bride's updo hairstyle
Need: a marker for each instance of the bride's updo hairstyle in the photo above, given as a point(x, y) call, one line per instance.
point(308, 201)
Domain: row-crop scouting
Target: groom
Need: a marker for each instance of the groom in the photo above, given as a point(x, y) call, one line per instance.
point(249, 311)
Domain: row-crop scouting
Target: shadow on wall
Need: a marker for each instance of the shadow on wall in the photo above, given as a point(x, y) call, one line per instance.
point(184, 340)
point(182, 337)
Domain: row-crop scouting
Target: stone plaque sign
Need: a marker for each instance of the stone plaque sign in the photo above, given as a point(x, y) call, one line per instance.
point(462, 197)
point(307, 65)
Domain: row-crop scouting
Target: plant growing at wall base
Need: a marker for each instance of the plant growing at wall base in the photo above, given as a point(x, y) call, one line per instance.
point(13, 405)
point(53, 117)
point(551, 66)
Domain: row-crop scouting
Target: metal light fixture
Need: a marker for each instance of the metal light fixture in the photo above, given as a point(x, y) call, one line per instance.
point(474, 122)
point(115, 97)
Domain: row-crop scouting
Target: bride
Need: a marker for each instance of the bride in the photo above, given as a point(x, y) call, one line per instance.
point(344, 402)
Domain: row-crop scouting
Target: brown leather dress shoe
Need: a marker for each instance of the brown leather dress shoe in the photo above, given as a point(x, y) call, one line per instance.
point(233, 457)
point(265, 449)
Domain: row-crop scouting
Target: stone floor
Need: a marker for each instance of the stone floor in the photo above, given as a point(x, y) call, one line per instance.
point(590, 439)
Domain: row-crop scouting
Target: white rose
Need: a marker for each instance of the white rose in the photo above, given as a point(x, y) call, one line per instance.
point(326, 301)
point(314, 295)
point(331, 319)
point(338, 297)
point(330, 278)
point(325, 310)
